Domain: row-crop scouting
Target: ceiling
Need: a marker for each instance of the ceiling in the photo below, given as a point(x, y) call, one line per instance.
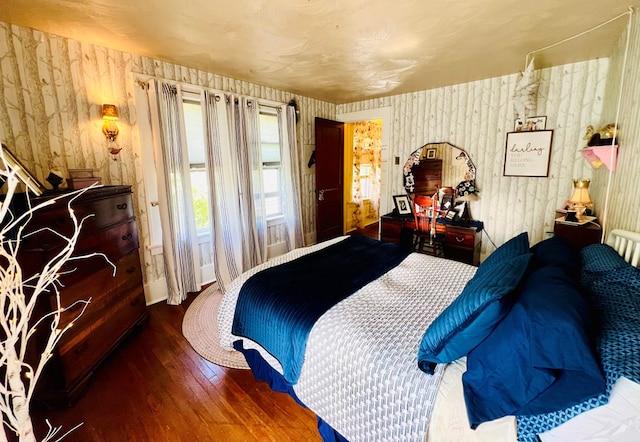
point(333, 50)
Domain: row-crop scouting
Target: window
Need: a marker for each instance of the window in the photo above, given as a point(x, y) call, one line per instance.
point(271, 166)
point(365, 181)
point(194, 130)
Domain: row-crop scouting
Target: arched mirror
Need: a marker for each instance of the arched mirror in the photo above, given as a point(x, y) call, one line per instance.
point(440, 166)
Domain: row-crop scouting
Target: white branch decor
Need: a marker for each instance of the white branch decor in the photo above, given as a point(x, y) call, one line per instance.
point(18, 298)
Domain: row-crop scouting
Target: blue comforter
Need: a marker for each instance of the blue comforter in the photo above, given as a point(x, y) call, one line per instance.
point(278, 306)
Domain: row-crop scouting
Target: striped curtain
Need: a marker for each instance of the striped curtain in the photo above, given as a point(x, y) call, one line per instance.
point(290, 163)
point(179, 236)
point(234, 164)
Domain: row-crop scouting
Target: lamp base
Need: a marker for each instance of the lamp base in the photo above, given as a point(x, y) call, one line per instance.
point(571, 216)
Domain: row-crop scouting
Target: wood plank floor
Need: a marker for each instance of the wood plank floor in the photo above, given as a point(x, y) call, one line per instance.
point(155, 387)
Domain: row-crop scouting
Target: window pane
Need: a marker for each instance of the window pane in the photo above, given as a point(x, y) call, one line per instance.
point(194, 131)
point(272, 205)
point(199, 190)
point(270, 153)
point(271, 180)
point(269, 128)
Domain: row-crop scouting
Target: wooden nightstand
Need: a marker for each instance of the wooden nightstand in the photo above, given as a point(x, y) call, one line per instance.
point(578, 236)
point(463, 244)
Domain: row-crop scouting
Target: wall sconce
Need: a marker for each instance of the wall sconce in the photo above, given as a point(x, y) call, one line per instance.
point(110, 127)
point(579, 199)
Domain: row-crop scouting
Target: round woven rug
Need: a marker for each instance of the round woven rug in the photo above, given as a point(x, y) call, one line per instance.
point(200, 328)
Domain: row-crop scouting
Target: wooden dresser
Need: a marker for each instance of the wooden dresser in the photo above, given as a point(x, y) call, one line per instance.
point(117, 298)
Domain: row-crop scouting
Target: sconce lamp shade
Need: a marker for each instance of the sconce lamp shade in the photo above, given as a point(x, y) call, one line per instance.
point(580, 195)
point(110, 128)
point(109, 112)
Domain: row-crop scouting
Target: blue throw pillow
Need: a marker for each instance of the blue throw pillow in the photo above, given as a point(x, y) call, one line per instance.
point(516, 246)
point(555, 251)
point(539, 358)
point(471, 316)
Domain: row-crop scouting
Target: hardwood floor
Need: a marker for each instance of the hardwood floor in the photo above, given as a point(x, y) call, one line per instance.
point(155, 387)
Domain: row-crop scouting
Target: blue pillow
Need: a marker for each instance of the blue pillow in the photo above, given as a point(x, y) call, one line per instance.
point(471, 316)
point(555, 251)
point(601, 258)
point(516, 246)
point(539, 358)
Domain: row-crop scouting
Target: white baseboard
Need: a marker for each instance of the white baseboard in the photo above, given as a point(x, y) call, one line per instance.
point(207, 274)
point(156, 291)
point(276, 249)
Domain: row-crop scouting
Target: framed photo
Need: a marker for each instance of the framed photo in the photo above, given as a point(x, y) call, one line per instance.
point(431, 154)
point(460, 209)
point(403, 204)
point(451, 215)
point(530, 123)
point(528, 153)
point(23, 174)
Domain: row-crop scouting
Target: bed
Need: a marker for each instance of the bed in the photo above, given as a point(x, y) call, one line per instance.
point(428, 349)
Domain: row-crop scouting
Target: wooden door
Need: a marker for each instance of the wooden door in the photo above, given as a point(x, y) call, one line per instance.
point(329, 157)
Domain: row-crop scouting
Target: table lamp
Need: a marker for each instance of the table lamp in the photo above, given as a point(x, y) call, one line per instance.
point(580, 197)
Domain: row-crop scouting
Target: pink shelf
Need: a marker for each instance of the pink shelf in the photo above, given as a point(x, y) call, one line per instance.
point(599, 155)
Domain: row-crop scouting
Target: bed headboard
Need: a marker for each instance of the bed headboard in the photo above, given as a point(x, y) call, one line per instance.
point(627, 244)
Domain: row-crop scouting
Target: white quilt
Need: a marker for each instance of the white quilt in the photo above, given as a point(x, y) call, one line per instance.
point(360, 372)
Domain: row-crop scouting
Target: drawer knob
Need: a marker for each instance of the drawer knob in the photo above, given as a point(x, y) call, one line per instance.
point(127, 237)
point(459, 239)
point(131, 269)
point(122, 206)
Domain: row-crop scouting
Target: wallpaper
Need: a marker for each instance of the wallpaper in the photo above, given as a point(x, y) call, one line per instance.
point(622, 104)
point(52, 90)
point(51, 95)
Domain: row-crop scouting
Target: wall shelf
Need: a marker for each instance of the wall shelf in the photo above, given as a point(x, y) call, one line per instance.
point(599, 155)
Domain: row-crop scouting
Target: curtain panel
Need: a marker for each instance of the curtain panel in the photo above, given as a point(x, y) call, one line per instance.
point(233, 163)
point(290, 163)
point(179, 238)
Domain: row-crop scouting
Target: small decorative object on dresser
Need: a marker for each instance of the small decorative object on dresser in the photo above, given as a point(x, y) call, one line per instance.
point(117, 304)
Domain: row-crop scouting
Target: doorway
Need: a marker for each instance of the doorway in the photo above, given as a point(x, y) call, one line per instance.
point(362, 173)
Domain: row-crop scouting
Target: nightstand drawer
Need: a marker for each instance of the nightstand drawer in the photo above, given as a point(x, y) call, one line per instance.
point(461, 237)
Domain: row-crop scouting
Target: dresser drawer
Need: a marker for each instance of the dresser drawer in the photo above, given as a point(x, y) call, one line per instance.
point(97, 214)
point(83, 351)
point(104, 288)
point(461, 237)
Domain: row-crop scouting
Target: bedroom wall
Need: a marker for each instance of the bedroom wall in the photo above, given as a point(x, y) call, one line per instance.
point(624, 197)
point(51, 93)
point(51, 90)
point(476, 117)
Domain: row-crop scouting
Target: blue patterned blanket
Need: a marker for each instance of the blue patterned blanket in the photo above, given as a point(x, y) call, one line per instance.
point(278, 306)
point(612, 289)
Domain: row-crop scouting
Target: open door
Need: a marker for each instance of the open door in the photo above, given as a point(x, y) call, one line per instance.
point(329, 157)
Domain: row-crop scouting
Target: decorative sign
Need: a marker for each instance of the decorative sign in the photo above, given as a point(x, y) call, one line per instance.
point(527, 153)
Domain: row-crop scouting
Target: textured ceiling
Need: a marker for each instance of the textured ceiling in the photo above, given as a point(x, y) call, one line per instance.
point(338, 51)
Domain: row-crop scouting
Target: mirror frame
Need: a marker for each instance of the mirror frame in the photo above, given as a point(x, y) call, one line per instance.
point(432, 150)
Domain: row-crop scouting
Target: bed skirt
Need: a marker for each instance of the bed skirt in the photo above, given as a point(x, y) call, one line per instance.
point(262, 371)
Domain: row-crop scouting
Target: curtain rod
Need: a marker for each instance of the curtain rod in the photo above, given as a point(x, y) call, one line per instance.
point(264, 101)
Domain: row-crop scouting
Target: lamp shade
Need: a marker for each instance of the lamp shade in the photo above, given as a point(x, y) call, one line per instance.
point(109, 112)
point(580, 192)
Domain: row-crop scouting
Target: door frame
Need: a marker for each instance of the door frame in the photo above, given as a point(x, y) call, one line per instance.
point(384, 114)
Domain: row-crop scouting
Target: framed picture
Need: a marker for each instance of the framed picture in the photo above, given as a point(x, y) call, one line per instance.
point(403, 204)
point(451, 215)
point(530, 123)
point(431, 154)
point(460, 209)
point(23, 174)
point(528, 153)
